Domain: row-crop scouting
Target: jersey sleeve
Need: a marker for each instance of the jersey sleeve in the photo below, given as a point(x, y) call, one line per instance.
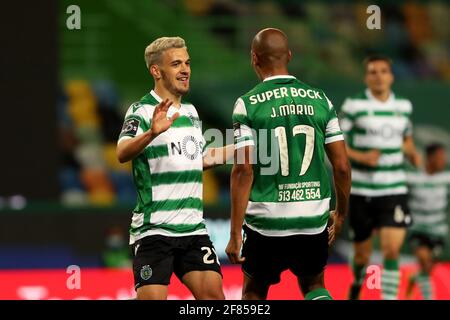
point(135, 123)
point(333, 130)
point(409, 126)
point(242, 130)
point(346, 119)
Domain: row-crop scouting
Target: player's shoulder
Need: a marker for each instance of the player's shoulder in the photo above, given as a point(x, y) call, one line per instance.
point(355, 102)
point(190, 109)
point(318, 92)
point(403, 103)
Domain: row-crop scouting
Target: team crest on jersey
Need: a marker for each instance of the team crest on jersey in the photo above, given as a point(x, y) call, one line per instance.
point(130, 127)
point(146, 272)
point(194, 120)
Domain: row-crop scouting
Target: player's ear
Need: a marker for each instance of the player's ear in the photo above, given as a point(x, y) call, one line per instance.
point(155, 72)
point(254, 58)
point(289, 56)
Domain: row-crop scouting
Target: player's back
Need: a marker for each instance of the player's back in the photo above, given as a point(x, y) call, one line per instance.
point(291, 189)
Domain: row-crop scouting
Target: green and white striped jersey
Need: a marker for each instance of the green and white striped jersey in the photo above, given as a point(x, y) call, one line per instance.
point(300, 120)
point(428, 199)
point(168, 173)
point(371, 124)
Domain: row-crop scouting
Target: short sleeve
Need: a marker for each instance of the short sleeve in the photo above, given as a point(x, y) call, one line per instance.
point(333, 131)
point(242, 131)
point(135, 123)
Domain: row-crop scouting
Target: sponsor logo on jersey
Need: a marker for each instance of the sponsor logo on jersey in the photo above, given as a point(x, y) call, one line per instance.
point(386, 131)
point(284, 92)
point(189, 147)
point(146, 272)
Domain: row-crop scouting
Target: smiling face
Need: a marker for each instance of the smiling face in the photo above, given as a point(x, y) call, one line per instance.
point(379, 77)
point(174, 71)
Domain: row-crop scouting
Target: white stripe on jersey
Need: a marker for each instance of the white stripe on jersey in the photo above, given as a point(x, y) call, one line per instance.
point(287, 232)
point(182, 216)
point(379, 177)
point(311, 208)
point(183, 190)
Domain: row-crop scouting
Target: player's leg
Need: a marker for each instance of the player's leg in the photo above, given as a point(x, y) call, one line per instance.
point(254, 290)
point(152, 267)
point(197, 266)
point(425, 258)
point(152, 292)
point(361, 258)
point(309, 265)
point(264, 262)
point(391, 241)
point(361, 228)
point(394, 218)
point(204, 285)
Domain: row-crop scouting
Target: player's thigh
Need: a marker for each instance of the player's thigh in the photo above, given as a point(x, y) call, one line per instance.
point(391, 241)
point(197, 264)
point(152, 261)
point(265, 257)
point(362, 251)
point(309, 259)
point(361, 219)
point(254, 290)
point(152, 292)
point(204, 285)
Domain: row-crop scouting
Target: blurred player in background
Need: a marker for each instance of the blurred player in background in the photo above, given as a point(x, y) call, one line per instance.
point(163, 138)
point(378, 129)
point(287, 211)
point(429, 192)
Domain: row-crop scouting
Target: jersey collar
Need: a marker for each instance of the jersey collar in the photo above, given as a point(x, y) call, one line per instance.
point(153, 93)
point(371, 97)
point(284, 76)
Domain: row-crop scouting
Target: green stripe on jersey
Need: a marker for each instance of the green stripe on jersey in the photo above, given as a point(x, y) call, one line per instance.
point(266, 223)
point(177, 204)
point(177, 177)
point(183, 122)
point(154, 152)
point(175, 228)
point(358, 166)
point(377, 186)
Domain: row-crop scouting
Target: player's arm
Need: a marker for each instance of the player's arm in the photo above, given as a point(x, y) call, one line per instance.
point(241, 184)
point(217, 156)
point(130, 148)
point(410, 151)
point(337, 155)
point(369, 158)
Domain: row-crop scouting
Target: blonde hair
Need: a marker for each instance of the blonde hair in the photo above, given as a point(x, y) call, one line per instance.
point(155, 49)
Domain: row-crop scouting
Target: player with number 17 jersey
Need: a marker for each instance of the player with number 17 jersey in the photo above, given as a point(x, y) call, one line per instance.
point(302, 120)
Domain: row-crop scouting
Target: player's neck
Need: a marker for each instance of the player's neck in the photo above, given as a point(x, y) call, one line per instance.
point(383, 96)
point(164, 94)
point(274, 72)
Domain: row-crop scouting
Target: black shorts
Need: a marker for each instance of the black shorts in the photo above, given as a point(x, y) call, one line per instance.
point(156, 257)
point(419, 239)
point(267, 257)
point(369, 213)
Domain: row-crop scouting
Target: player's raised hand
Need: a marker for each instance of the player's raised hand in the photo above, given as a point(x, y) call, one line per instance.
point(233, 249)
point(160, 122)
